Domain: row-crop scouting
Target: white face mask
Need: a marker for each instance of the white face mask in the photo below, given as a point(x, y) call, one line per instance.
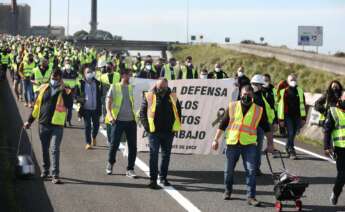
point(203, 76)
point(54, 83)
point(292, 83)
point(240, 74)
point(67, 66)
point(90, 76)
point(189, 64)
point(148, 67)
point(266, 85)
point(217, 69)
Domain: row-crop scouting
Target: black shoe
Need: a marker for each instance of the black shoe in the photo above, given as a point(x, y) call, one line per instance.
point(227, 195)
point(70, 124)
point(293, 155)
point(333, 199)
point(153, 185)
point(164, 182)
point(258, 173)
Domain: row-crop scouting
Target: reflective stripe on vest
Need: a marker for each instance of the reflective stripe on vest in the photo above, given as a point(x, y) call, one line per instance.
point(151, 110)
point(28, 69)
point(59, 115)
point(185, 71)
point(39, 78)
point(338, 134)
point(281, 109)
point(243, 129)
point(269, 111)
point(5, 59)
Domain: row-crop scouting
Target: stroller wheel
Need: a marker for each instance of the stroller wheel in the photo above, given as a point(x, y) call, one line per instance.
point(298, 205)
point(278, 206)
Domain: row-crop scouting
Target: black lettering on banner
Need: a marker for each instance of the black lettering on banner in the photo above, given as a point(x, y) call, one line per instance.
point(145, 134)
point(184, 90)
point(174, 90)
point(191, 120)
point(187, 105)
point(204, 90)
point(188, 135)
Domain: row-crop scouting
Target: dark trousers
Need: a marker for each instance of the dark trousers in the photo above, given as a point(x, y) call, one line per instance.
point(340, 181)
point(91, 116)
point(130, 130)
point(157, 140)
point(293, 124)
point(51, 135)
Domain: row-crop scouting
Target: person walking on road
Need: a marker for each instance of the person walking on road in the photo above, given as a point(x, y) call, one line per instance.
point(241, 122)
point(241, 79)
point(292, 113)
point(329, 99)
point(268, 116)
point(160, 115)
point(121, 115)
point(51, 113)
point(89, 96)
point(334, 144)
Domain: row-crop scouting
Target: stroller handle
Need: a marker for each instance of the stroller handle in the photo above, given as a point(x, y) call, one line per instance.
point(269, 162)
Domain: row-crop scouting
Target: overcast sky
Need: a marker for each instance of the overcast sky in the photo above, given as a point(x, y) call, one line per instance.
point(275, 20)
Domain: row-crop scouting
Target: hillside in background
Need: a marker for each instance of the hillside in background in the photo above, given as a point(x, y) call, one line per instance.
point(205, 56)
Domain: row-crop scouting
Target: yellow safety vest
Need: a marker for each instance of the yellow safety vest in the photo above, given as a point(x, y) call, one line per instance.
point(39, 78)
point(5, 59)
point(151, 111)
point(167, 72)
point(59, 115)
point(117, 101)
point(269, 111)
point(105, 78)
point(243, 129)
point(338, 134)
point(281, 110)
point(28, 69)
point(185, 71)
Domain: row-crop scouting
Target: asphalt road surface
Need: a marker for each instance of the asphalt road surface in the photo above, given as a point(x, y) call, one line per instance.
point(197, 180)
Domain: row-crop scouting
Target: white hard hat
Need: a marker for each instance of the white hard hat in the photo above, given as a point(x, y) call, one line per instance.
point(258, 79)
point(102, 63)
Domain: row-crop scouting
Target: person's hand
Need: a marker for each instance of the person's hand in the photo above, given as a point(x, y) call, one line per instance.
point(215, 145)
point(27, 125)
point(328, 152)
point(281, 124)
point(270, 149)
point(302, 123)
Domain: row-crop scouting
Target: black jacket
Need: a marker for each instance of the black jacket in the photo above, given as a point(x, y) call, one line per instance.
point(329, 126)
point(164, 116)
point(322, 106)
point(81, 97)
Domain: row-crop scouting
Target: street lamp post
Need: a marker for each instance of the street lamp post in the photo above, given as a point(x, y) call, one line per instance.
point(187, 22)
point(68, 5)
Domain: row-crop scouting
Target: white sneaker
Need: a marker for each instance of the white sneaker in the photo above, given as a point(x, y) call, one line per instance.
point(131, 174)
point(109, 169)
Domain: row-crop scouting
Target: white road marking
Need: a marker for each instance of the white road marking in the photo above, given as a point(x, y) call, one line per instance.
point(307, 152)
point(177, 196)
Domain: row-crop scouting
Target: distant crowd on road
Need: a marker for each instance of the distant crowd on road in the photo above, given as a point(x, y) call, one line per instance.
point(52, 77)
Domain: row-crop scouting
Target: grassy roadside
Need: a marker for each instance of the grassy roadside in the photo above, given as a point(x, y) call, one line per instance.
point(6, 168)
point(205, 56)
point(308, 141)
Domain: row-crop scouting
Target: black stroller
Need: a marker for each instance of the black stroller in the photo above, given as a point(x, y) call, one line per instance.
point(287, 187)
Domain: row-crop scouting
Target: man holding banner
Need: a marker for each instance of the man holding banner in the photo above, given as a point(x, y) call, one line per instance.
point(160, 116)
point(241, 122)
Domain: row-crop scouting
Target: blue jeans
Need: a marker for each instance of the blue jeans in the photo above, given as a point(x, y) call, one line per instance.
point(91, 116)
point(130, 129)
point(248, 156)
point(260, 142)
point(293, 124)
point(28, 91)
point(157, 140)
point(51, 134)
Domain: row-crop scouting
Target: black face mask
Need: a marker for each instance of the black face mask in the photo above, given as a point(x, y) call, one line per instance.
point(336, 92)
point(162, 92)
point(246, 100)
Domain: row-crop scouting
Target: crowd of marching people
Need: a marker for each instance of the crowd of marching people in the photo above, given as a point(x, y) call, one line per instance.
point(51, 77)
